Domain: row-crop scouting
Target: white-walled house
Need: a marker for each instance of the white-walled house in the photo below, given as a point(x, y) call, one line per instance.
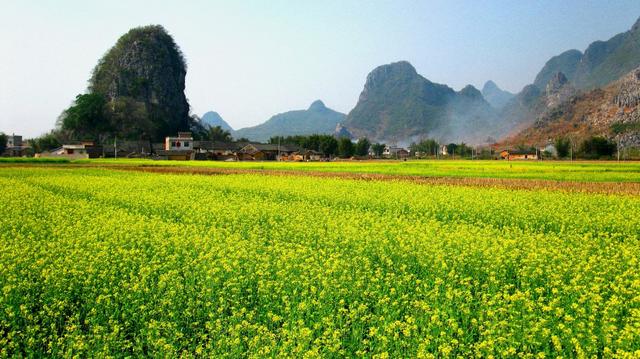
point(184, 142)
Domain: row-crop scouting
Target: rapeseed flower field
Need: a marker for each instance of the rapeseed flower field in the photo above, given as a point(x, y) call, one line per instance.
point(98, 262)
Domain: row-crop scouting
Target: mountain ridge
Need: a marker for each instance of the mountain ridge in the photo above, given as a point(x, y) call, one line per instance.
point(316, 119)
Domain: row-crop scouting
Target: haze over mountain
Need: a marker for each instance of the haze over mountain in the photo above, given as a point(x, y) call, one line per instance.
point(398, 105)
point(317, 119)
point(213, 119)
point(496, 96)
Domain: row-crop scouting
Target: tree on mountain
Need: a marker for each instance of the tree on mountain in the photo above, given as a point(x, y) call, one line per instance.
point(562, 147)
point(345, 147)
point(216, 133)
point(86, 117)
point(378, 149)
point(130, 119)
point(362, 147)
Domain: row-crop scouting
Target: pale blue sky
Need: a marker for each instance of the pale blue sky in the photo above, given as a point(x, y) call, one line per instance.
point(249, 60)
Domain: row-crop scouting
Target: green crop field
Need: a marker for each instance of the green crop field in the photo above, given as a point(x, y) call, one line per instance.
point(97, 260)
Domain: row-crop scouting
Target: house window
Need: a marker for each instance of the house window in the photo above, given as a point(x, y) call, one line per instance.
point(173, 144)
point(186, 144)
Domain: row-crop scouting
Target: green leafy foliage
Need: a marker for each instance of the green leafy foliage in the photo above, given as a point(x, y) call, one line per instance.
point(345, 147)
point(362, 147)
point(378, 149)
point(216, 133)
point(426, 146)
point(563, 146)
point(87, 117)
point(3, 142)
point(597, 147)
point(325, 144)
point(46, 142)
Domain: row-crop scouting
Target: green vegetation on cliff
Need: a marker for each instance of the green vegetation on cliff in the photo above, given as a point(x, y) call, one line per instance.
point(136, 91)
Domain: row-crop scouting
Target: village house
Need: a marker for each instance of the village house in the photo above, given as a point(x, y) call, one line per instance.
point(395, 152)
point(178, 148)
point(184, 142)
point(215, 150)
point(264, 152)
point(518, 155)
point(15, 147)
point(300, 156)
point(74, 151)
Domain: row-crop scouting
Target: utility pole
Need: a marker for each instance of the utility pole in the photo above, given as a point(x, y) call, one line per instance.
point(115, 147)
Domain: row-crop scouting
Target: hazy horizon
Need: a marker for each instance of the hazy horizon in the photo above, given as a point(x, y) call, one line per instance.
point(251, 60)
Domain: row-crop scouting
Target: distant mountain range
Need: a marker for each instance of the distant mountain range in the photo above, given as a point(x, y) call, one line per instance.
point(601, 63)
point(570, 83)
point(213, 119)
point(317, 119)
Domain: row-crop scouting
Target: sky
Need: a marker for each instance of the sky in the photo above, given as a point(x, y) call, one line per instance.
point(249, 60)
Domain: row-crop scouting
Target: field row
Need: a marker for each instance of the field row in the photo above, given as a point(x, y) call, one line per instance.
point(598, 171)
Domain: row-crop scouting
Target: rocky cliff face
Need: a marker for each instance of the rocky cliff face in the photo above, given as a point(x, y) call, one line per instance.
point(146, 70)
point(628, 94)
point(558, 90)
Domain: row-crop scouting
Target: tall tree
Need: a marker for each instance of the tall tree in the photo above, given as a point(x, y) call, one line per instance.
point(3, 143)
point(45, 142)
point(86, 117)
point(562, 147)
point(362, 147)
point(345, 147)
point(329, 146)
point(378, 149)
point(596, 147)
point(428, 146)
